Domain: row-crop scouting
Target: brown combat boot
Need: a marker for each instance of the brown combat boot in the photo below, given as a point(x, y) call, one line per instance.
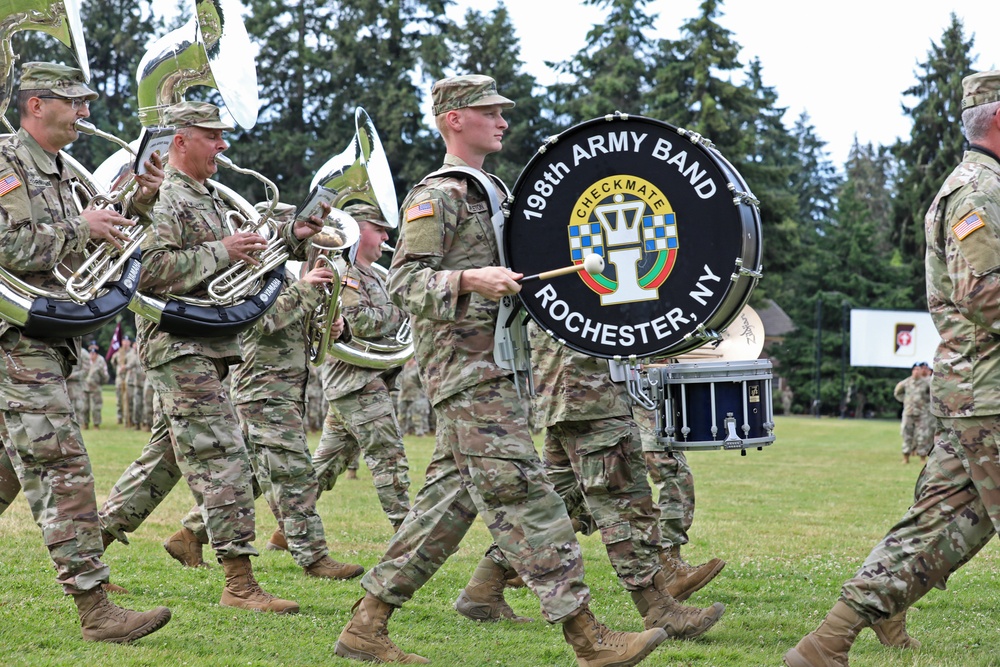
point(660, 610)
point(351, 473)
point(104, 621)
point(114, 588)
point(366, 635)
point(597, 646)
point(277, 542)
point(243, 591)
point(892, 632)
point(482, 598)
point(682, 579)
point(327, 568)
point(185, 547)
point(828, 645)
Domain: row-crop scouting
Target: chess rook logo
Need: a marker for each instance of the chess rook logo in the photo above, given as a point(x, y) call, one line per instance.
point(630, 223)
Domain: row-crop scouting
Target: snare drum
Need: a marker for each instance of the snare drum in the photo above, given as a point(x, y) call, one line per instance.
point(715, 405)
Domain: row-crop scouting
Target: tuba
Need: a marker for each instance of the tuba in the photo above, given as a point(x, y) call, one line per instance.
point(360, 173)
point(212, 49)
point(103, 285)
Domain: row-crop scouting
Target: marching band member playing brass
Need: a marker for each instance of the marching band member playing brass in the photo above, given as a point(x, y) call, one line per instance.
point(445, 273)
point(361, 416)
point(43, 448)
point(196, 432)
point(268, 391)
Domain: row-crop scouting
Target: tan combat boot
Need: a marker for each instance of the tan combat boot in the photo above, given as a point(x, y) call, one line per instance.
point(366, 635)
point(351, 473)
point(104, 621)
point(684, 579)
point(597, 646)
point(660, 610)
point(327, 568)
point(892, 632)
point(482, 598)
point(828, 645)
point(277, 542)
point(185, 547)
point(243, 591)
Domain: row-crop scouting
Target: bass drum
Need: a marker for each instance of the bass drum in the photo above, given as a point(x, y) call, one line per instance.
point(674, 221)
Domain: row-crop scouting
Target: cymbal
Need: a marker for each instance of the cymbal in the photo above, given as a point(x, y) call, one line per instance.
point(742, 340)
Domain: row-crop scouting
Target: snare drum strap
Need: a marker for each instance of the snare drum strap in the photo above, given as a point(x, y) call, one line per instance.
point(510, 337)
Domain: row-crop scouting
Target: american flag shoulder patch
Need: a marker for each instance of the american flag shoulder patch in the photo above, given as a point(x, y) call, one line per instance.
point(353, 283)
point(9, 182)
point(422, 210)
point(967, 225)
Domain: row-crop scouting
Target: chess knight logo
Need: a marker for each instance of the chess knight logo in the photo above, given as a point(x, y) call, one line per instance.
point(628, 221)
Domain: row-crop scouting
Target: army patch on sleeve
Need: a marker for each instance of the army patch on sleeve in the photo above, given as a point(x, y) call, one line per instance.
point(967, 225)
point(8, 183)
point(353, 283)
point(422, 210)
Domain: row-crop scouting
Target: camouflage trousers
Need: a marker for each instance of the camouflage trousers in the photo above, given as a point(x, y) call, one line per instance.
point(363, 421)
point(121, 394)
point(195, 434)
point(78, 399)
point(956, 511)
point(93, 403)
point(918, 434)
point(136, 404)
point(485, 462)
point(283, 472)
point(597, 468)
point(147, 404)
point(44, 456)
point(415, 416)
point(671, 475)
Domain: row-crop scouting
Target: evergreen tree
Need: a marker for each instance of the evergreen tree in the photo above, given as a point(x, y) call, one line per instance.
point(934, 148)
point(487, 45)
point(816, 182)
point(610, 73)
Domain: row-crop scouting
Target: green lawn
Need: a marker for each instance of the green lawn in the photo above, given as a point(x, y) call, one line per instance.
point(792, 521)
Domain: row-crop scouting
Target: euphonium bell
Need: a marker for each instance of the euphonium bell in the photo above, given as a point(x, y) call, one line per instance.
point(340, 232)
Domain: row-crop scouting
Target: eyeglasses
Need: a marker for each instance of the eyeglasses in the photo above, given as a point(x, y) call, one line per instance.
point(75, 102)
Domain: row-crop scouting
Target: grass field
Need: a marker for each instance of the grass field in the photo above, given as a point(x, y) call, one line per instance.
point(793, 522)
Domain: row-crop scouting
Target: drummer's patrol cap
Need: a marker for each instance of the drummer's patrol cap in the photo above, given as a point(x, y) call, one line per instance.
point(980, 88)
point(361, 211)
point(469, 90)
point(194, 114)
point(58, 79)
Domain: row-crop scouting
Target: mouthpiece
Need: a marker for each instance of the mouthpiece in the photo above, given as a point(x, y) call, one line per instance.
point(85, 127)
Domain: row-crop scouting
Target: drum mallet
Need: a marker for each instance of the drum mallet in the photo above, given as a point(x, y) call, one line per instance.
point(592, 264)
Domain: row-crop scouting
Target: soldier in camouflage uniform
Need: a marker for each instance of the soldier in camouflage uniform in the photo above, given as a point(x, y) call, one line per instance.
point(43, 450)
point(316, 406)
point(915, 394)
point(674, 482)
point(269, 395)
point(136, 378)
point(148, 405)
point(593, 459)
point(414, 408)
point(75, 389)
point(445, 272)
point(361, 417)
point(196, 433)
point(957, 505)
point(120, 361)
point(97, 376)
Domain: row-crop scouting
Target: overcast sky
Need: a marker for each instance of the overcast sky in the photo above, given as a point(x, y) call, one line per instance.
point(845, 63)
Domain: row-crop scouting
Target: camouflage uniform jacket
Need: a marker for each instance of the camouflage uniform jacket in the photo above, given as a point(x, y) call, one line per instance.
point(40, 224)
point(915, 395)
point(452, 333)
point(963, 289)
point(97, 373)
point(134, 375)
point(274, 349)
point(78, 374)
point(409, 382)
point(572, 386)
point(183, 251)
point(366, 305)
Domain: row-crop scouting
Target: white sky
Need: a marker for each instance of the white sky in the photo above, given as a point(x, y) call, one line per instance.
point(845, 63)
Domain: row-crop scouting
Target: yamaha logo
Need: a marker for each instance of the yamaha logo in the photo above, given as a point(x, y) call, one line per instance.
point(660, 210)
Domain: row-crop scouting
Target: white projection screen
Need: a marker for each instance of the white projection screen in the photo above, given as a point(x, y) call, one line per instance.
point(892, 338)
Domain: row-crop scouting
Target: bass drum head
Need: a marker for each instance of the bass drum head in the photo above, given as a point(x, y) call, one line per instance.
point(661, 210)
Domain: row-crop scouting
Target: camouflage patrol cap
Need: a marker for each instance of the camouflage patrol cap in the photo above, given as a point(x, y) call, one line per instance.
point(469, 90)
point(362, 211)
point(56, 78)
point(194, 114)
point(980, 88)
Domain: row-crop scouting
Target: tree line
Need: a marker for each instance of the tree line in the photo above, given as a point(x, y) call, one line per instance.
point(842, 234)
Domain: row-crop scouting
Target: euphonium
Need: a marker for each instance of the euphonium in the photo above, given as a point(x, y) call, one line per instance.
point(101, 288)
point(338, 234)
point(360, 173)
